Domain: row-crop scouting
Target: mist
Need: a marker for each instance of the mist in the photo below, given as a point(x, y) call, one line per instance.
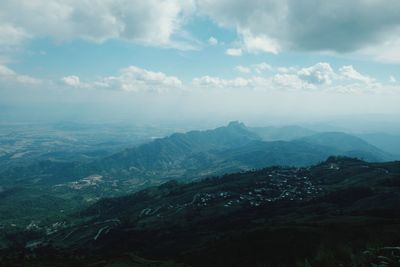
point(201, 107)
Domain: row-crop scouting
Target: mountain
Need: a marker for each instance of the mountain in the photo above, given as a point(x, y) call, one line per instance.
point(325, 215)
point(160, 157)
point(348, 145)
point(168, 153)
point(386, 142)
point(197, 154)
point(74, 210)
point(284, 133)
point(259, 154)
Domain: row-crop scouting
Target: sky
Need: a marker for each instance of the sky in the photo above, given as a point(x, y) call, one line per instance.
point(219, 60)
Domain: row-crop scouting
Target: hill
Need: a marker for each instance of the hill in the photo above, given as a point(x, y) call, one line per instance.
point(326, 214)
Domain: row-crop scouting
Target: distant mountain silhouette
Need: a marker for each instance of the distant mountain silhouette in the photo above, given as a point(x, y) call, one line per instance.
point(284, 133)
point(384, 141)
point(198, 154)
point(348, 145)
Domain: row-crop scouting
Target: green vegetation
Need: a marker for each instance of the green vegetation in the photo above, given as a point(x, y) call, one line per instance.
point(341, 212)
point(197, 199)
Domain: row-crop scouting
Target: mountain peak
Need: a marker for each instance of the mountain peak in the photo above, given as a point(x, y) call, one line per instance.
point(236, 124)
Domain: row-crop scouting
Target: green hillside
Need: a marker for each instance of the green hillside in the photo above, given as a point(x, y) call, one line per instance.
point(329, 213)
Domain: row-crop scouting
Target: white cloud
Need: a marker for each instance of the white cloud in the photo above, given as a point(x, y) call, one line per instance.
point(212, 41)
point(74, 81)
point(348, 72)
point(287, 82)
point(258, 43)
point(11, 36)
point(132, 79)
point(320, 73)
point(9, 76)
point(278, 82)
point(392, 79)
point(366, 27)
point(256, 68)
point(318, 77)
point(286, 69)
point(321, 77)
point(234, 52)
point(217, 82)
point(6, 72)
point(387, 51)
point(28, 80)
point(243, 69)
point(151, 22)
point(290, 81)
point(261, 67)
point(339, 26)
point(11, 40)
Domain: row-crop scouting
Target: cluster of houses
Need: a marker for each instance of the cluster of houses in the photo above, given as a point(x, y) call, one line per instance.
point(276, 185)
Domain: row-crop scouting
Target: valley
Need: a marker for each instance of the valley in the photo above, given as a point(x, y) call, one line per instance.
point(203, 189)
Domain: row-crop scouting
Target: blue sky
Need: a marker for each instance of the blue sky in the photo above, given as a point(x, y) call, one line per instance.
point(44, 57)
point(80, 50)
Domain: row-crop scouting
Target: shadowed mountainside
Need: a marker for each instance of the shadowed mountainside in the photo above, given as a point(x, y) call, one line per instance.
point(325, 215)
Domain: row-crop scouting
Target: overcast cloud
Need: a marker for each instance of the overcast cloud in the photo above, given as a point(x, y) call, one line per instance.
point(263, 25)
point(339, 26)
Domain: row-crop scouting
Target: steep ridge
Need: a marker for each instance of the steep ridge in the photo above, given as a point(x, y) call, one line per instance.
point(168, 152)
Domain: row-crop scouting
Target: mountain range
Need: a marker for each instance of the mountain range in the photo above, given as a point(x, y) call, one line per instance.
point(231, 196)
point(198, 154)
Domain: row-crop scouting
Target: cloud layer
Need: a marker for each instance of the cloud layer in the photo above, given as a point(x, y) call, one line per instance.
point(151, 22)
point(320, 77)
point(263, 26)
point(274, 25)
point(365, 29)
point(9, 76)
point(133, 79)
point(137, 94)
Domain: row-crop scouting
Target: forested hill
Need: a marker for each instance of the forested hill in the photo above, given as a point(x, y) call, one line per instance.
point(328, 213)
